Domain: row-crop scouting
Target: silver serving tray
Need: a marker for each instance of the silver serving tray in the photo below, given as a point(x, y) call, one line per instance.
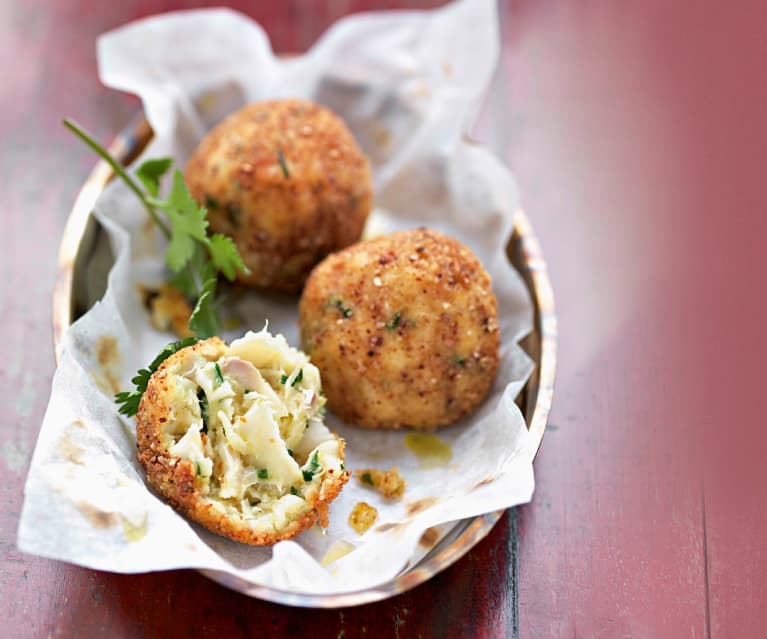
point(81, 280)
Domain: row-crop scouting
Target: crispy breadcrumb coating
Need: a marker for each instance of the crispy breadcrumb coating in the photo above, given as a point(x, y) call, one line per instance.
point(228, 444)
point(169, 310)
point(286, 180)
point(404, 329)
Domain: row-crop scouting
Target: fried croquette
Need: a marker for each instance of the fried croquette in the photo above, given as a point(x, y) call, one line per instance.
point(232, 436)
point(404, 329)
point(287, 182)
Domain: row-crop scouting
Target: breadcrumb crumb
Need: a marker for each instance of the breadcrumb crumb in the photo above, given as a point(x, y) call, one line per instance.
point(170, 310)
point(362, 517)
point(387, 482)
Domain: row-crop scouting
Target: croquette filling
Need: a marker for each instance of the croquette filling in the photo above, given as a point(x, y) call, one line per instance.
point(252, 428)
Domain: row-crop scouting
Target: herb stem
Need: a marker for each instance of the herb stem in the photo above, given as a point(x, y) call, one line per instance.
point(119, 170)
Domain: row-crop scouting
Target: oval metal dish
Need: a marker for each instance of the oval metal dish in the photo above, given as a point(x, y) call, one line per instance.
point(71, 299)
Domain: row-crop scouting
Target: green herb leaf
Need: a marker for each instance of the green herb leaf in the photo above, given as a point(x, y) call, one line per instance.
point(129, 400)
point(204, 319)
point(344, 310)
point(193, 257)
point(202, 399)
point(393, 322)
point(293, 491)
point(459, 361)
point(151, 172)
point(283, 164)
point(290, 452)
point(219, 376)
point(184, 282)
point(224, 254)
point(188, 279)
point(187, 222)
point(367, 478)
point(314, 466)
point(263, 473)
point(284, 379)
point(179, 251)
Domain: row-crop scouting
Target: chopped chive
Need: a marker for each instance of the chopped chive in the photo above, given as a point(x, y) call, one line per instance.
point(203, 401)
point(367, 478)
point(459, 361)
point(283, 163)
point(314, 466)
point(219, 376)
point(296, 379)
point(263, 473)
point(198, 472)
point(342, 466)
point(393, 322)
point(338, 304)
point(290, 452)
point(293, 491)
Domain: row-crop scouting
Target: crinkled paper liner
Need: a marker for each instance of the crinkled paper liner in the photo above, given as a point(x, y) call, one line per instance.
point(407, 84)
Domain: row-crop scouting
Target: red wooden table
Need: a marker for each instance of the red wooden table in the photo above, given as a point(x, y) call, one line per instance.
point(637, 133)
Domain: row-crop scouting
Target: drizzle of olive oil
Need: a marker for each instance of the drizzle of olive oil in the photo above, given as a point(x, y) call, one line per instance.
point(133, 531)
point(336, 551)
point(430, 450)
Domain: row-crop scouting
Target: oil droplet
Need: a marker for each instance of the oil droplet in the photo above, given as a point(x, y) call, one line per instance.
point(133, 531)
point(336, 551)
point(430, 450)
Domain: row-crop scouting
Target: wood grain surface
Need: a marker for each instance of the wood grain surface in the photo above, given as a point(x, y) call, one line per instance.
point(637, 135)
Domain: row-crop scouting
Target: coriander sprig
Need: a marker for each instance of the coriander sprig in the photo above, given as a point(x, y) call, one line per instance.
point(129, 400)
point(119, 170)
point(194, 257)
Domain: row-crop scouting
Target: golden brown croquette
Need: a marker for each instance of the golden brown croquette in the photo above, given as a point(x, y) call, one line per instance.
point(404, 329)
point(232, 436)
point(286, 180)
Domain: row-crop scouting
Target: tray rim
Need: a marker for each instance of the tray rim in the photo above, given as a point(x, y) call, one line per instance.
point(126, 146)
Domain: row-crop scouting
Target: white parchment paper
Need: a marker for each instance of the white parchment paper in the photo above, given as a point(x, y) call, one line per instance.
point(408, 84)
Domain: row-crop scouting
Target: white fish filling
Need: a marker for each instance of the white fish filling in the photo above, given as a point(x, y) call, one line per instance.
point(251, 423)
